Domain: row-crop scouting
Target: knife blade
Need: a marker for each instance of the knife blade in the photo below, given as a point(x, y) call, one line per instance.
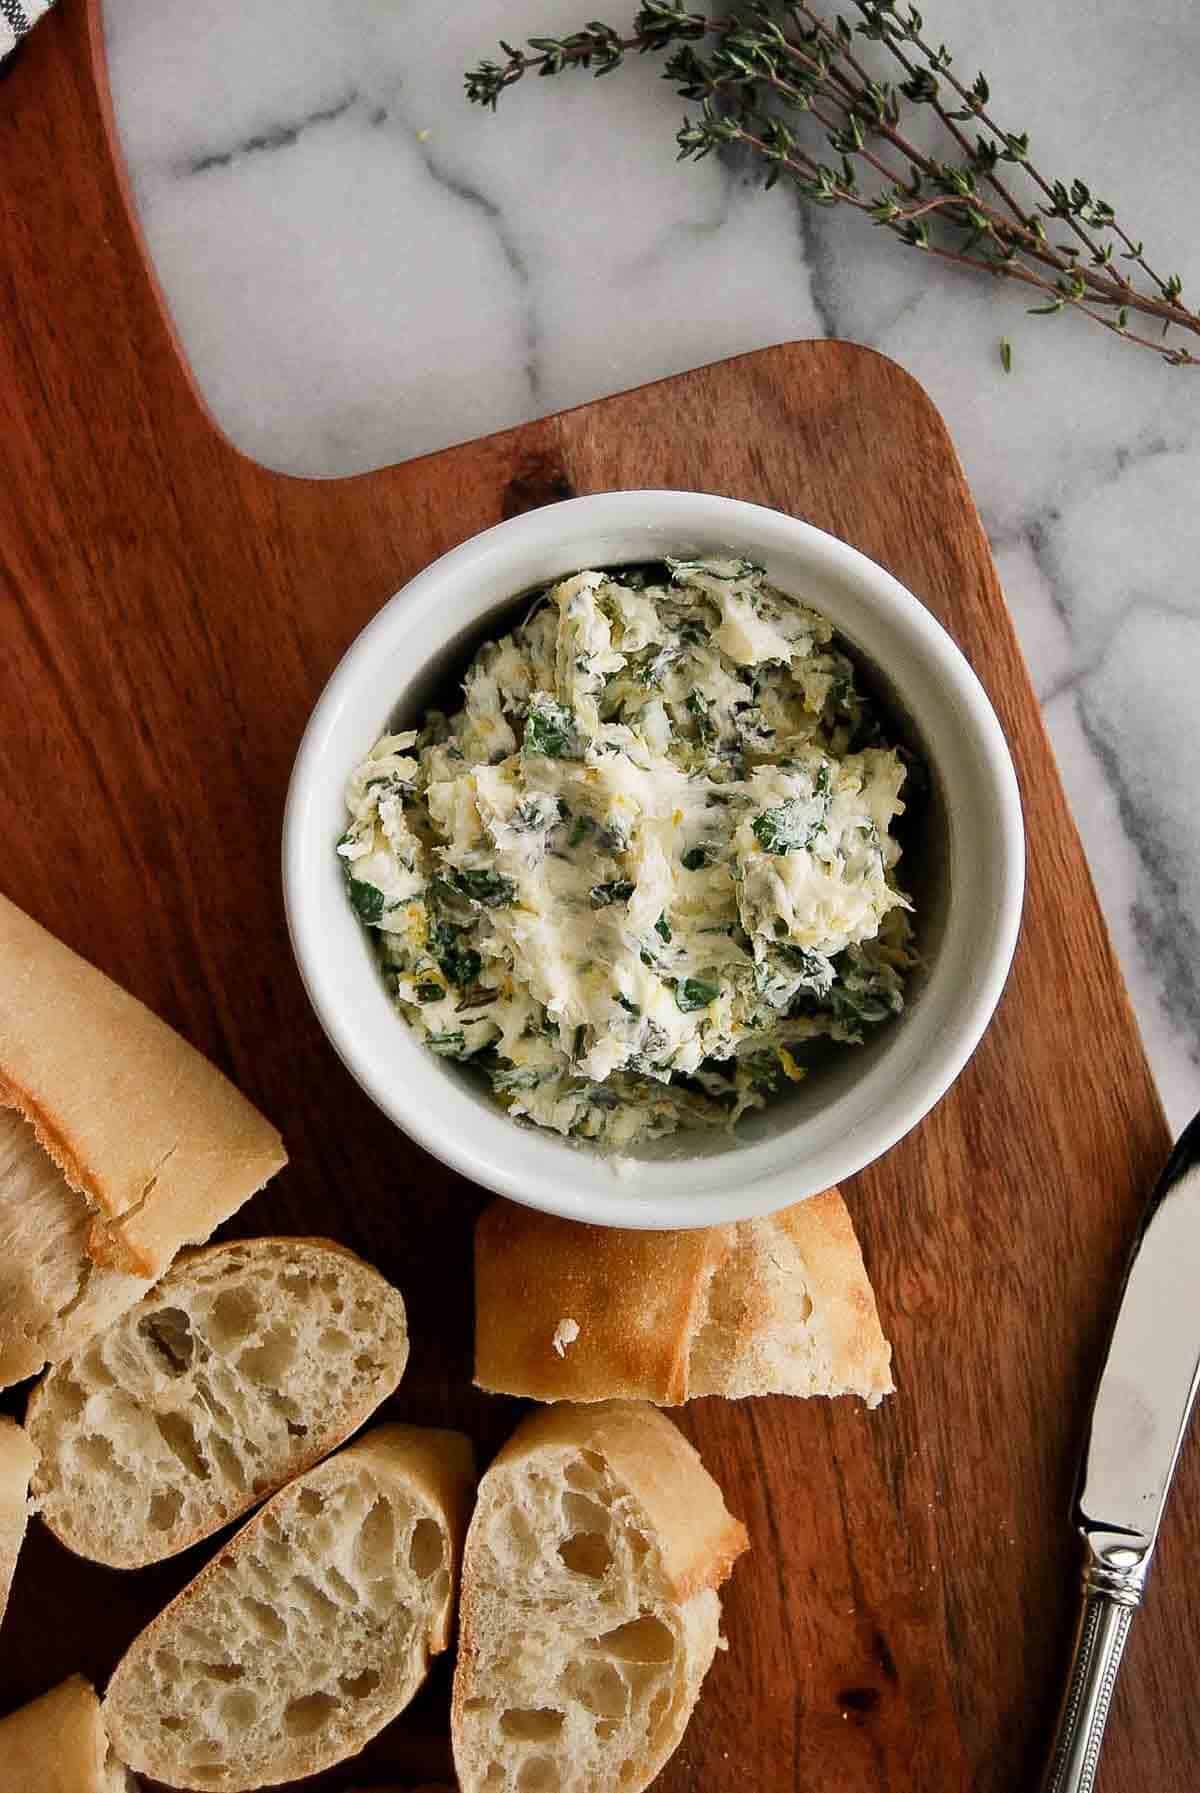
point(1139, 1418)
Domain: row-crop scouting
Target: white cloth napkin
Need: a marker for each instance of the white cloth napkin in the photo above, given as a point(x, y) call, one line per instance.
point(16, 16)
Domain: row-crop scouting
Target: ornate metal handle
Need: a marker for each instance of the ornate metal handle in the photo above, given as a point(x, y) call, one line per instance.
point(1112, 1589)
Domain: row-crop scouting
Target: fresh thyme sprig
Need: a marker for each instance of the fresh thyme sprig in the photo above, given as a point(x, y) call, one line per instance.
point(749, 68)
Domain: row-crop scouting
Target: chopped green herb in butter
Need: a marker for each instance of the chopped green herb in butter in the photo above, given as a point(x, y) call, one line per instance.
point(647, 861)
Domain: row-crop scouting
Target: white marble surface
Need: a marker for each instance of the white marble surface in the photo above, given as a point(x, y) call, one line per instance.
point(363, 268)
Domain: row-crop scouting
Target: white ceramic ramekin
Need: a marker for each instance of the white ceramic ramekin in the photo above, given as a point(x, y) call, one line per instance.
point(969, 884)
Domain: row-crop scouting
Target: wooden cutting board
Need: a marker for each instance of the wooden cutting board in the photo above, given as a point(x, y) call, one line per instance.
point(170, 612)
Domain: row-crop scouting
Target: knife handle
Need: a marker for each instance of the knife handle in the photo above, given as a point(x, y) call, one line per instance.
point(1112, 1590)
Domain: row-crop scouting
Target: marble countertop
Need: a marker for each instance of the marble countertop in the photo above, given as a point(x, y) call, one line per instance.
point(363, 268)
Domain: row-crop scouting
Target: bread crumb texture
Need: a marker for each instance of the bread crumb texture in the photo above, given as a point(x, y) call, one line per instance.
point(246, 1364)
point(578, 1664)
point(310, 1631)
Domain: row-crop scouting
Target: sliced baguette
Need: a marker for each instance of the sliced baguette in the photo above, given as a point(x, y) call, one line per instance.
point(245, 1365)
point(57, 1744)
point(18, 1459)
point(778, 1305)
point(589, 1610)
point(311, 1629)
point(144, 1147)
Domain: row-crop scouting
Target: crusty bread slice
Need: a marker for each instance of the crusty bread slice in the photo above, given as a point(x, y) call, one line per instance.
point(18, 1459)
point(57, 1744)
point(778, 1305)
point(311, 1629)
point(589, 1610)
point(246, 1364)
point(155, 1147)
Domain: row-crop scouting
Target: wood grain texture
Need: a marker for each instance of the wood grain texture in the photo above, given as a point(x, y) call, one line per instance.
point(170, 612)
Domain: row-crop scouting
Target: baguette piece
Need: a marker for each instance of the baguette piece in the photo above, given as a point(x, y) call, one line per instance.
point(589, 1610)
point(57, 1744)
point(245, 1365)
point(18, 1459)
point(135, 1145)
point(311, 1629)
point(53, 1296)
point(777, 1305)
point(790, 1310)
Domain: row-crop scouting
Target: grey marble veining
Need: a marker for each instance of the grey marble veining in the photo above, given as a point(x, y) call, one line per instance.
point(363, 268)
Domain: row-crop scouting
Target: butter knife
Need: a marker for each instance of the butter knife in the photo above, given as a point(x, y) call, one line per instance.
point(1139, 1418)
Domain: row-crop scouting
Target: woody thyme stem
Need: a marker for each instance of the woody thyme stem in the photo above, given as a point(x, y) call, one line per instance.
point(751, 68)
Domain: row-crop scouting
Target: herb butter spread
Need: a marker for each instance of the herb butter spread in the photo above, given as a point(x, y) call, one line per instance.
point(648, 860)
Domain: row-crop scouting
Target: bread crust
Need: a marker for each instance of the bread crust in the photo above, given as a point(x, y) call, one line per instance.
point(324, 1441)
point(57, 1744)
point(632, 1294)
point(157, 1141)
point(639, 1300)
point(18, 1460)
